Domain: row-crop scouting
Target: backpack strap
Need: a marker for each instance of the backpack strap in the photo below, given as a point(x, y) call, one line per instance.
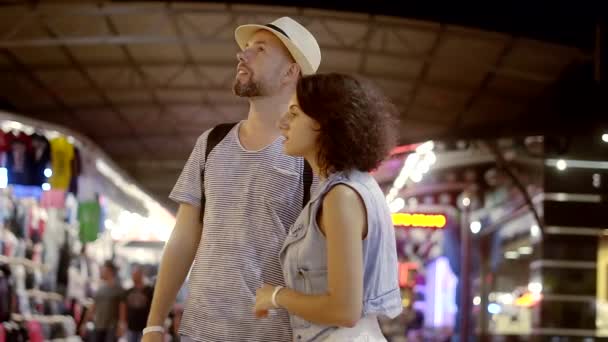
point(307, 180)
point(217, 134)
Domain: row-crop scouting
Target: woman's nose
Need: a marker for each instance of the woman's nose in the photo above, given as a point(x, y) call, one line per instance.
point(282, 123)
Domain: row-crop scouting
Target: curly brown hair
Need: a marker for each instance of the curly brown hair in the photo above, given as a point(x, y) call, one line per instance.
point(357, 122)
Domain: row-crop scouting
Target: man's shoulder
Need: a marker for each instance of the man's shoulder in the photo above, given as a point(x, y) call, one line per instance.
point(202, 138)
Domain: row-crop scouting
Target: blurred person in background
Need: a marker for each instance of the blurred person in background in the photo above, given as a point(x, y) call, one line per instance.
point(135, 306)
point(105, 308)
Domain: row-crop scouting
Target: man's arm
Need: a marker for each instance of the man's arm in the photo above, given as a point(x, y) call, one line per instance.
point(90, 314)
point(122, 317)
point(177, 259)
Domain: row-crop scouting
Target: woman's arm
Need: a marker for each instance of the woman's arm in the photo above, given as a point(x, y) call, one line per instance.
point(344, 223)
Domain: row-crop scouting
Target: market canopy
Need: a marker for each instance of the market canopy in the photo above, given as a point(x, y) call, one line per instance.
point(145, 79)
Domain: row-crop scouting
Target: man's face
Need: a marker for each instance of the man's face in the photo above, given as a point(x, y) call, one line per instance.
point(261, 65)
point(137, 275)
point(105, 273)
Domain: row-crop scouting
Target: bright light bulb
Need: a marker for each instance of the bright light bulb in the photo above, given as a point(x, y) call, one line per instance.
point(561, 165)
point(423, 166)
point(425, 148)
point(535, 287)
point(476, 300)
point(466, 201)
point(430, 158)
point(46, 186)
point(605, 137)
point(397, 205)
point(3, 177)
point(511, 255)
point(525, 250)
point(475, 227)
point(48, 173)
point(535, 231)
point(507, 299)
point(416, 177)
point(494, 308)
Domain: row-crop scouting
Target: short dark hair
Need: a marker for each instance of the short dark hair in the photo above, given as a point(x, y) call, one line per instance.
point(357, 122)
point(111, 266)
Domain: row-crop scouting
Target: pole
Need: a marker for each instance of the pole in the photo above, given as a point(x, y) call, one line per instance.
point(465, 275)
point(601, 40)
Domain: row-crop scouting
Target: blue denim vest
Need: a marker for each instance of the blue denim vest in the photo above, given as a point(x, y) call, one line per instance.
point(304, 254)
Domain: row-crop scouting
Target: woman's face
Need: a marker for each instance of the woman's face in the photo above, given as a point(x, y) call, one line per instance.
point(300, 131)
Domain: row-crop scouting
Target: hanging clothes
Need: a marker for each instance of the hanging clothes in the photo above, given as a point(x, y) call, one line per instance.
point(76, 170)
point(19, 158)
point(4, 146)
point(62, 153)
point(6, 292)
point(41, 158)
point(89, 216)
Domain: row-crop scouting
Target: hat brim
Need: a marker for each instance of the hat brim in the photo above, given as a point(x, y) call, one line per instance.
point(243, 33)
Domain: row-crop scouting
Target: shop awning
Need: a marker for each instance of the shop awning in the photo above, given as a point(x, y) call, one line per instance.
point(145, 79)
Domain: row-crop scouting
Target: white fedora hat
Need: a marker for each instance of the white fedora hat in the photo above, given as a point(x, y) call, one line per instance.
point(299, 41)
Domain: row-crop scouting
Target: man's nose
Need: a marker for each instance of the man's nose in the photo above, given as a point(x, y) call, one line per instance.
point(240, 56)
point(243, 56)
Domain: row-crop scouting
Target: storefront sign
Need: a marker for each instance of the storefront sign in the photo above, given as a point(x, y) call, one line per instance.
point(433, 221)
point(407, 272)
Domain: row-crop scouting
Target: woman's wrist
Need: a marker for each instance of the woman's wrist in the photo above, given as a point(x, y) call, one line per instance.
point(275, 294)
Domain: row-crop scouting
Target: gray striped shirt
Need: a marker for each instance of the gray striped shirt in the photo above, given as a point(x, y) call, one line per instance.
point(252, 199)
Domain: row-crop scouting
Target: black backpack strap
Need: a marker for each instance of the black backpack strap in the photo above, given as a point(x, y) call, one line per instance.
point(307, 180)
point(217, 134)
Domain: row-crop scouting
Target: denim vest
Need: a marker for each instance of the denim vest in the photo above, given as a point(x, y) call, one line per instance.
point(304, 254)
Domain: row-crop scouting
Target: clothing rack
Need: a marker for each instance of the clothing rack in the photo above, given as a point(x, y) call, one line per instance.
point(23, 262)
point(20, 322)
point(40, 318)
point(44, 295)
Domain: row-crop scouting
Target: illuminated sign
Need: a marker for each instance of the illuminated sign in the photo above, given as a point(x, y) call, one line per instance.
point(437, 221)
point(528, 299)
point(405, 274)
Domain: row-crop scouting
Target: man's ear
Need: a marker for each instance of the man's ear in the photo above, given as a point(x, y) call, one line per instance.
point(292, 74)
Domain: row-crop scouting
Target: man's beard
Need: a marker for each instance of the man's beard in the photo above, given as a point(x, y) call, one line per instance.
point(250, 88)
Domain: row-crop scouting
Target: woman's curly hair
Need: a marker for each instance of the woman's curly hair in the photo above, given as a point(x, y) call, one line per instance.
point(357, 122)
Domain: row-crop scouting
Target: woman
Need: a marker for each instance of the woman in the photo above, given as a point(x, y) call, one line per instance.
point(339, 260)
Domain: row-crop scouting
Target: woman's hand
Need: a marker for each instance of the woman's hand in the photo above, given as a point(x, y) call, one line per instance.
point(263, 301)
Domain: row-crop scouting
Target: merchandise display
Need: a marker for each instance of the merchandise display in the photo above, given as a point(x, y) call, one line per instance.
point(53, 240)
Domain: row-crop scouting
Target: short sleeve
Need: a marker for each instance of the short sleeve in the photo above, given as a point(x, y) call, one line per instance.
point(188, 188)
point(124, 295)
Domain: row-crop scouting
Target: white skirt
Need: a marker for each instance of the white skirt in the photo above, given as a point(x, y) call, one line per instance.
point(366, 330)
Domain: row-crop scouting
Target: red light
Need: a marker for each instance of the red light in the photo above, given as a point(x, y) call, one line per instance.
point(404, 274)
point(404, 149)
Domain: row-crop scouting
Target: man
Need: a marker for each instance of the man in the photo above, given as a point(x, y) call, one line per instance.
point(253, 194)
point(135, 307)
point(105, 306)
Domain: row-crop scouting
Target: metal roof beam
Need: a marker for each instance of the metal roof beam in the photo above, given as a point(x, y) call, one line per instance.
point(22, 69)
point(420, 78)
point(100, 91)
point(499, 71)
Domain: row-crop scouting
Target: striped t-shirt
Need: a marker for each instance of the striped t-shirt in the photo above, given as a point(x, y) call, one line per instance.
point(252, 199)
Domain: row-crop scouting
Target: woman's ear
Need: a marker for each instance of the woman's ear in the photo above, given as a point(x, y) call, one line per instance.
point(316, 126)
